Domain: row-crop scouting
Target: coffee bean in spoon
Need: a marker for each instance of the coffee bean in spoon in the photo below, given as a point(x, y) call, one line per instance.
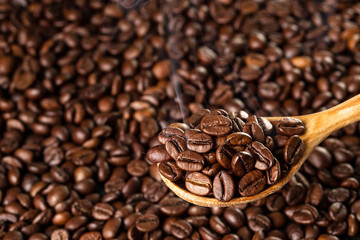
point(222, 161)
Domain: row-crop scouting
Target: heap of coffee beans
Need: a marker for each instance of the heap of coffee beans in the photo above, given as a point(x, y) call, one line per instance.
point(224, 154)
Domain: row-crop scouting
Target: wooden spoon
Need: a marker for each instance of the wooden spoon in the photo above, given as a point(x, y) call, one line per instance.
point(318, 126)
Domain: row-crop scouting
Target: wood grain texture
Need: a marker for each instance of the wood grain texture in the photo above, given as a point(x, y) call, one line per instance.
point(318, 126)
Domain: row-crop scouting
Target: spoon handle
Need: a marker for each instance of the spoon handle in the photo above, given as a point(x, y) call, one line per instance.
point(322, 124)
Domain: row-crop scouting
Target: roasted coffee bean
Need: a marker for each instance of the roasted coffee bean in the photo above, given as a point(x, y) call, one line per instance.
point(320, 158)
point(337, 212)
point(81, 207)
point(270, 143)
point(181, 229)
point(238, 139)
point(254, 130)
point(91, 235)
point(83, 157)
point(102, 211)
point(224, 155)
point(231, 236)
point(60, 234)
point(173, 206)
point(264, 159)
point(342, 170)
point(75, 223)
point(147, 222)
point(266, 125)
point(252, 183)
point(169, 132)
point(155, 191)
point(208, 234)
point(170, 170)
point(259, 222)
point(158, 154)
point(294, 231)
point(195, 118)
point(198, 141)
point(242, 163)
point(275, 202)
point(215, 125)
point(250, 73)
point(198, 183)
point(290, 126)
point(175, 145)
point(137, 168)
point(57, 195)
point(337, 228)
point(197, 221)
point(190, 161)
point(218, 225)
point(353, 227)
point(223, 186)
point(295, 194)
point(133, 233)
point(212, 170)
point(293, 149)
point(305, 214)
point(273, 174)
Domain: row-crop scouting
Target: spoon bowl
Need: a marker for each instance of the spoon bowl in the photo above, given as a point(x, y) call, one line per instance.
point(318, 126)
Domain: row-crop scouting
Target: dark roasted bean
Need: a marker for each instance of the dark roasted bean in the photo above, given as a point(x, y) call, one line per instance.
point(290, 126)
point(259, 222)
point(147, 222)
point(175, 145)
point(158, 154)
point(190, 161)
point(238, 138)
point(223, 186)
point(224, 155)
point(170, 170)
point(254, 130)
point(218, 225)
point(181, 229)
point(242, 163)
point(173, 206)
point(273, 174)
point(264, 159)
point(212, 170)
point(102, 211)
point(252, 183)
point(293, 150)
point(198, 141)
point(198, 183)
point(216, 125)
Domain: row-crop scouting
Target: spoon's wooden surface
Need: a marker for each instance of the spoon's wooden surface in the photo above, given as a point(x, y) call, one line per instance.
point(318, 126)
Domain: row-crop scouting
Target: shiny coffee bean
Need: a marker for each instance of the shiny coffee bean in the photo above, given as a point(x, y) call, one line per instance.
point(175, 145)
point(170, 170)
point(190, 161)
point(264, 159)
point(252, 183)
point(242, 163)
point(293, 150)
point(198, 141)
point(290, 126)
point(198, 183)
point(223, 186)
point(215, 125)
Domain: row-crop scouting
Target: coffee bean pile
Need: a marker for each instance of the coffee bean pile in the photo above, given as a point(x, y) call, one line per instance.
point(223, 155)
point(87, 85)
